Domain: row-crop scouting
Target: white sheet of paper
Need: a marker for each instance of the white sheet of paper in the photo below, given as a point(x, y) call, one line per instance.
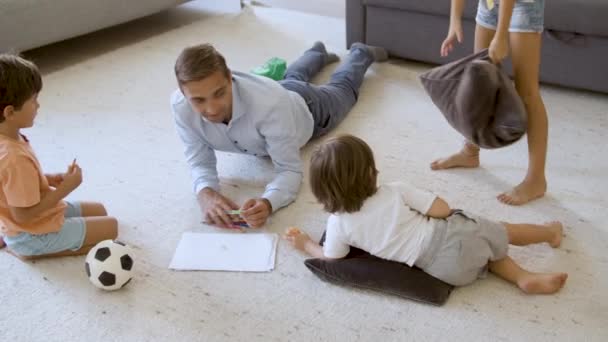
point(225, 252)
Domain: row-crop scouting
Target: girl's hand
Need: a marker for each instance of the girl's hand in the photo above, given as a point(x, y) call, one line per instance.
point(454, 34)
point(499, 49)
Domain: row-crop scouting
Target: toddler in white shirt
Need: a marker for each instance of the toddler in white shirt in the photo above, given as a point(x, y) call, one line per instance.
point(398, 222)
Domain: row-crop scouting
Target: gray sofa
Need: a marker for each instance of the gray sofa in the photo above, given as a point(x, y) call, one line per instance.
point(26, 24)
point(575, 41)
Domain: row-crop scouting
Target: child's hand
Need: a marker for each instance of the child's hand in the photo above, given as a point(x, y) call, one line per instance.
point(297, 238)
point(54, 179)
point(499, 49)
point(292, 231)
point(454, 34)
point(72, 178)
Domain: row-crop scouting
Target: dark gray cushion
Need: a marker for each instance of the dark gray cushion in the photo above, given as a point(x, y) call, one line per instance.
point(441, 8)
point(478, 99)
point(577, 16)
point(360, 269)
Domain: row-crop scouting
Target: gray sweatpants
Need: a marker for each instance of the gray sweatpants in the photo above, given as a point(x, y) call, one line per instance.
point(331, 102)
point(461, 247)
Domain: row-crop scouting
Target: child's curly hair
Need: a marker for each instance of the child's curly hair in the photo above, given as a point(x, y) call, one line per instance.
point(19, 80)
point(343, 174)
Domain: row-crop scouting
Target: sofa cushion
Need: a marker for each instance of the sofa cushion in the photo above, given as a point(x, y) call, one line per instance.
point(478, 99)
point(429, 7)
point(576, 16)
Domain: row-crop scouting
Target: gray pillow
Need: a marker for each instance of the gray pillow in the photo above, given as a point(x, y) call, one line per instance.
point(478, 99)
point(363, 270)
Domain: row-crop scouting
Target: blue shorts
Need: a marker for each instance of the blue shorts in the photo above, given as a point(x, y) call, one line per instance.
point(528, 15)
point(70, 237)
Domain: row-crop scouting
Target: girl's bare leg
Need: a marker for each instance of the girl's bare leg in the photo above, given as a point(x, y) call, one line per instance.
point(525, 54)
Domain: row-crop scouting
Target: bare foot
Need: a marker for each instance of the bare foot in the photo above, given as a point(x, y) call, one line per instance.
point(460, 159)
point(557, 228)
point(524, 193)
point(542, 283)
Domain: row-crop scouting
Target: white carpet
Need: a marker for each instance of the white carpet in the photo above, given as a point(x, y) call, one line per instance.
point(105, 101)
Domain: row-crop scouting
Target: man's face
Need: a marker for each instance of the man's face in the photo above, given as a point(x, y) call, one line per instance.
point(211, 97)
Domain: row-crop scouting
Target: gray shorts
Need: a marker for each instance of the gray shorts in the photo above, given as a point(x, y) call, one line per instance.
point(461, 248)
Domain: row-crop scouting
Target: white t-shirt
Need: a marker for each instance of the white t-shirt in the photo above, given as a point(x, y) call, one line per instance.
point(390, 225)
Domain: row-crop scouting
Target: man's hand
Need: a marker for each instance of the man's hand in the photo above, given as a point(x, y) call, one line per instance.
point(214, 207)
point(255, 211)
point(499, 48)
point(54, 179)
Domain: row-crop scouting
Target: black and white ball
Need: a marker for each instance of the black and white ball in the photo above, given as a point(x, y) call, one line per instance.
point(109, 265)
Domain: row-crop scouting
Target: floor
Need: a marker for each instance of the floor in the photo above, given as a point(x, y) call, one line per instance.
point(106, 102)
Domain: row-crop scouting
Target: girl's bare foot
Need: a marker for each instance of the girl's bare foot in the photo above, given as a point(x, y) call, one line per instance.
point(460, 159)
point(525, 192)
point(467, 157)
point(557, 228)
point(542, 283)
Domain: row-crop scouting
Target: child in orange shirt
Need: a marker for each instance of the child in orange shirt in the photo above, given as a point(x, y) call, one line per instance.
point(35, 221)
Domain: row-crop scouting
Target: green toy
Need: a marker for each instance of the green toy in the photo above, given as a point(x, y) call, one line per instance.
point(273, 68)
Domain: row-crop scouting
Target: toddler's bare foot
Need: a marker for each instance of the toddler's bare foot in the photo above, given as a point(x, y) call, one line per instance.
point(461, 159)
point(557, 228)
point(525, 192)
point(542, 283)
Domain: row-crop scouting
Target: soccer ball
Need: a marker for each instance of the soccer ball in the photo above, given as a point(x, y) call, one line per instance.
point(109, 265)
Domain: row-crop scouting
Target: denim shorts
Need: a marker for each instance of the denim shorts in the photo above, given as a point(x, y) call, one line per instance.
point(70, 237)
point(528, 15)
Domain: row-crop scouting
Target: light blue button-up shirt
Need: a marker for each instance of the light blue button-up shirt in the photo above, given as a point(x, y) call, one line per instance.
point(267, 120)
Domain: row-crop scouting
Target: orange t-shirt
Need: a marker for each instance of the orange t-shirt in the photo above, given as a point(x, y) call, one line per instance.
point(23, 185)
